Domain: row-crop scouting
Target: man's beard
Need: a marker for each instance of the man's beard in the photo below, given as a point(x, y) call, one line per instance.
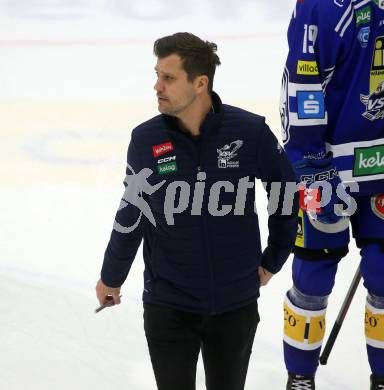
point(175, 111)
point(169, 111)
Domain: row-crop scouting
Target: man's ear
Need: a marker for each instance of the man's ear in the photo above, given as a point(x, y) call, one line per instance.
point(202, 83)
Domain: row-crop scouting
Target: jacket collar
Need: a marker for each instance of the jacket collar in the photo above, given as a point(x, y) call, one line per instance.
point(211, 122)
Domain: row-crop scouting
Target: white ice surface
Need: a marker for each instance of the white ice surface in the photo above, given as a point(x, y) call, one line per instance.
point(75, 78)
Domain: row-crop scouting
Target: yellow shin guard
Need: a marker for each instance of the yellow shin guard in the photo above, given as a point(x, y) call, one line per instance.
point(374, 326)
point(303, 329)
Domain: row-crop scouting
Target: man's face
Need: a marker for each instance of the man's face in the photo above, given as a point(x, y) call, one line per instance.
point(175, 93)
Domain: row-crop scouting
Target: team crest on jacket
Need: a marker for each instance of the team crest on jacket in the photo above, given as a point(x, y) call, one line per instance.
point(377, 204)
point(227, 153)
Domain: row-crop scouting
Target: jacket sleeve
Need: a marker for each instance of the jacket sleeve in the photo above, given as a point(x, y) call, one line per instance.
point(277, 175)
point(320, 35)
point(126, 235)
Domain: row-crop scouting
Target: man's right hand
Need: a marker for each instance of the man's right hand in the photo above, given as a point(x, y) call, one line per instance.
point(102, 291)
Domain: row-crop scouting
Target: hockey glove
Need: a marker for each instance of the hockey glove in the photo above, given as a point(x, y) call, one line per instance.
point(318, 182)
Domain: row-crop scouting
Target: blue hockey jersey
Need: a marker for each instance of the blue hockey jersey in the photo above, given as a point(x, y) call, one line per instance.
point(332, 96)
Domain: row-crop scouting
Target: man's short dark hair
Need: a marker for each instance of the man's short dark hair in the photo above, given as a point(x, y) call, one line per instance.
point(198, 57)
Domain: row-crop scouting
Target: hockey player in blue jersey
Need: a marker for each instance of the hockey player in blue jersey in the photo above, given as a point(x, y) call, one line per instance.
point(332, 111)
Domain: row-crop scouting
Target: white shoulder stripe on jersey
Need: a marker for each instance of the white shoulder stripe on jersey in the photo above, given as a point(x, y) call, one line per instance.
point(347, 24)
point(358, 5)
point(345, 15)
point(349, 13)
point(327, 78)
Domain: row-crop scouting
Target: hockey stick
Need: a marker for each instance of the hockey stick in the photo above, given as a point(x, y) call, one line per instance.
point(340, 318)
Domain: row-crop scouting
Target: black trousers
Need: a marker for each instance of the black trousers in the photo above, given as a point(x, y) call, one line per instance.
point(175, 339)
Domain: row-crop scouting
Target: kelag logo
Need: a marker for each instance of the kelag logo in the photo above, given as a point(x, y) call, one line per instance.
point(369, 161)
point(167, 168)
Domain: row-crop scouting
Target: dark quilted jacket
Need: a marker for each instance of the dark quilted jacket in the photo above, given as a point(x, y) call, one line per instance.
point(202, 263)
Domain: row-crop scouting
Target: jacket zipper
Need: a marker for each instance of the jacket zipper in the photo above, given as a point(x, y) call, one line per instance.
point(198, 152)
point(200, 167)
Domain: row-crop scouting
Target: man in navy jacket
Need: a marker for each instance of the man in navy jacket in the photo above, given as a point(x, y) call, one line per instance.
point(190, 195)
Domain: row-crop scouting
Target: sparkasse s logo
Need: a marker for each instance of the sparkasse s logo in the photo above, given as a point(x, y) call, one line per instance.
point(310, 104)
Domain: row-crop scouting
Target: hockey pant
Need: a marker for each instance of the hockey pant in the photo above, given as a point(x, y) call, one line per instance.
point(313, 271)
